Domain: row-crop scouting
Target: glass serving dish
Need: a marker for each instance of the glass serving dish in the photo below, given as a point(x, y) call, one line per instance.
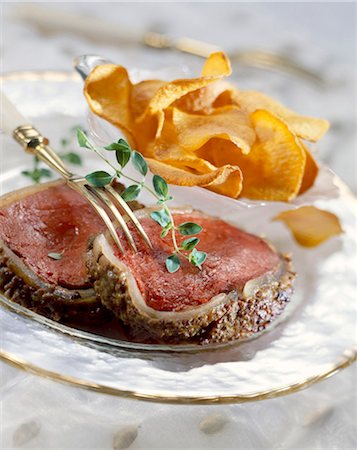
point(315, 337)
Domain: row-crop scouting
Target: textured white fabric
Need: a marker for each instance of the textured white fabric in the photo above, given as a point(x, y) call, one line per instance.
point(41, 414)
point(321, 417)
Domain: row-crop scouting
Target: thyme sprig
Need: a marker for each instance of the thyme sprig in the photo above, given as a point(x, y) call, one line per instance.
point(66, 154)
point(55, 255)
point(159, 190)
point(37, 173)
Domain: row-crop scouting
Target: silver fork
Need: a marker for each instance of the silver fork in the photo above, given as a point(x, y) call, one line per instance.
point(102, 199)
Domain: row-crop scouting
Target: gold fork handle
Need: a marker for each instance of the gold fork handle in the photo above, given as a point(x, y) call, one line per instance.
point(37, 145)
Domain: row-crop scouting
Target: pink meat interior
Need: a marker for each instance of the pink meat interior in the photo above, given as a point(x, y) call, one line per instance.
point(57, 220)
point(234, 257)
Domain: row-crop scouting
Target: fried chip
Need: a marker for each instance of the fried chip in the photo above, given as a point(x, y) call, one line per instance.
point(308, 128)
point(108, 91)
point(226, 180)
point(227, 123)
point(220, 152)
point(310, 173)
point(216, 67)
point(225, 98)
point(203, 131)
point(144, 131)
point(141, 95)
point(185, 160)
point(202, 101)
point(274, 168)
point(310, 226)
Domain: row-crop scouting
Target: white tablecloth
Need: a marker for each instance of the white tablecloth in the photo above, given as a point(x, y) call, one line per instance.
point(39, 413)
point(42, 414)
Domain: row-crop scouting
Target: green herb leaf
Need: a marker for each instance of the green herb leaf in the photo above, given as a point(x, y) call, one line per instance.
point(164, 200)
point(64, 142)
point(189, 228)
point(131, 193)
point(82, 139)
point(197, 258)
point(111, 147)
point(72, 158)
point(54, 255)
point(172, 263)
point(37, 174)
point(161, 217)
point(124, 144)
point(118, 146)
point(46, 173)
point(190, 243)
point(123, 157)
point(122, 151)
point(139, 163)
point(160, 186)
point(32, 174)
point(99, 178)
point(165, 231)
point(74, 129)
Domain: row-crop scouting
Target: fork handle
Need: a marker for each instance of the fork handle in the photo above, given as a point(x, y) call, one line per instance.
point(10, 117)
point(13, 123)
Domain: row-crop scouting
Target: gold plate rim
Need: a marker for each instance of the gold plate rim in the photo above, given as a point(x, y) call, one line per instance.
point(347, 359)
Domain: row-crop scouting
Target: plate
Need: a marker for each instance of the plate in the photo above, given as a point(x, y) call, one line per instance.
point(313, 340)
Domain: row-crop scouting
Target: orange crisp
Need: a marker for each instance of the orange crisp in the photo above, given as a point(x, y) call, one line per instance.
point(310, 226)
point(205, 132)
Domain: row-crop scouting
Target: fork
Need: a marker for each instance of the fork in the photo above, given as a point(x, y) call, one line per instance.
point(50, 21)
point(104, 200)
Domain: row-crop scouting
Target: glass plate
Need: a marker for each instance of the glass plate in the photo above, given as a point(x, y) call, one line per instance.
point(314, 339)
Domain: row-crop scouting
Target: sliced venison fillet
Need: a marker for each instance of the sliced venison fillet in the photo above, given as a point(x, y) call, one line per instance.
point(36, 222)
point(243, 286)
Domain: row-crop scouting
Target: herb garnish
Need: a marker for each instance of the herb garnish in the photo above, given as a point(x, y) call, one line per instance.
point(70, 156)
point(54, 255)
point(38, 173)
point(124, 153)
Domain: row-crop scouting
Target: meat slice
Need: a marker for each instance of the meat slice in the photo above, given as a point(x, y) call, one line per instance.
point(36, 222)
point(243, 286)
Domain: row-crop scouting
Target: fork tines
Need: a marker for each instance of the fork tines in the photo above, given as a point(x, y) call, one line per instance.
point(105, 199)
